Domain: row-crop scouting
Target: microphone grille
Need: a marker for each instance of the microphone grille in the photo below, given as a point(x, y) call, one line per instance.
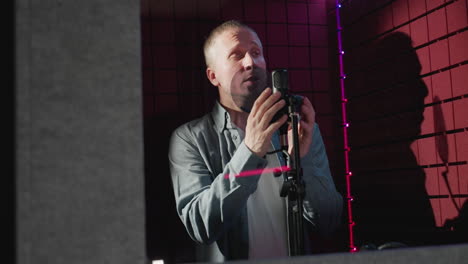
point(280, 79)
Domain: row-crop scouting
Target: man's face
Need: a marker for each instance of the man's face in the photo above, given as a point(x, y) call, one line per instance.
point(237, 68)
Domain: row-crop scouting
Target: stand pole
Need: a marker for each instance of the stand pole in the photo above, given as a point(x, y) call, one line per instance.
point(293, 188)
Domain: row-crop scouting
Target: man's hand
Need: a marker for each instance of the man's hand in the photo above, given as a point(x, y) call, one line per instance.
point(258, 131)
point(306, 128)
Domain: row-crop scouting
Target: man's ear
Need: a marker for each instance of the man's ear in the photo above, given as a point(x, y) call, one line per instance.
point(212, 76)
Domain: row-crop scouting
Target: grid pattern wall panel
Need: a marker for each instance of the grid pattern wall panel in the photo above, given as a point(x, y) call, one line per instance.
point(294, 35)
point(407, 68)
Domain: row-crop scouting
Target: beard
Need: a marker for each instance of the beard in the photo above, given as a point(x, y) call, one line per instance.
point(248, 86)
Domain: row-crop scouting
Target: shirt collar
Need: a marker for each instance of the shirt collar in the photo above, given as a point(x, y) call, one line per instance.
point(221, 117)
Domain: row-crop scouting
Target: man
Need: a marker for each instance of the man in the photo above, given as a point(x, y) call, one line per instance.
point(226, 197)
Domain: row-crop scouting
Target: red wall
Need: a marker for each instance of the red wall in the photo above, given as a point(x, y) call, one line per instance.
point(176, 90)
point(294, 34)
point(407, 69)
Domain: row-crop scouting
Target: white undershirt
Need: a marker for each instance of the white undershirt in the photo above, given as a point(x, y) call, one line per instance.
point(267, 216)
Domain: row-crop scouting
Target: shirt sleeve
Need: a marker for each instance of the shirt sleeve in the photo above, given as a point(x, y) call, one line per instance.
point(322, 203)
point(207, 204)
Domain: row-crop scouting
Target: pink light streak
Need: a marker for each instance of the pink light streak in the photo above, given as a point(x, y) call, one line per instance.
point(260, 171)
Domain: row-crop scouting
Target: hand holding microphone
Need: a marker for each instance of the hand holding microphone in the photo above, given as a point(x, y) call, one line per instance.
point(294, 104)
point(270, 112)
point(260, 128)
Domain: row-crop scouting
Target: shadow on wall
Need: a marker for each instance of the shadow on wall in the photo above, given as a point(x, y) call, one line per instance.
point(459, 224)
point(386, 111)
point(457, 227)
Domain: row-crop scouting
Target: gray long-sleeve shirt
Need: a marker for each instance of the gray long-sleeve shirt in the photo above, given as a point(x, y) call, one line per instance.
point(213, 206)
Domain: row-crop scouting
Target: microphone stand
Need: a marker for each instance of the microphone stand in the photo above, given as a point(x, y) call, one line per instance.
point(293, 186)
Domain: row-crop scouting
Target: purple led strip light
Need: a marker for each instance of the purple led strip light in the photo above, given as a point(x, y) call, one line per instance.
point(349, 197)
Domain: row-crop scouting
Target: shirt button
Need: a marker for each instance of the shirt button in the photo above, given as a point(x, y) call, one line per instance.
point(234, 137)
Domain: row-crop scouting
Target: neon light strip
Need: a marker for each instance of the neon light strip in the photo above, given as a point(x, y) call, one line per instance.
point(344, 100)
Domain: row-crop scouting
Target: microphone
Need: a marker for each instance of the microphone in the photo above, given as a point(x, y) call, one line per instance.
point(280, 83)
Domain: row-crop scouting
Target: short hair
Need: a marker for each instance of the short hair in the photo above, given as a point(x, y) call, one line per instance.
point(209, 41)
